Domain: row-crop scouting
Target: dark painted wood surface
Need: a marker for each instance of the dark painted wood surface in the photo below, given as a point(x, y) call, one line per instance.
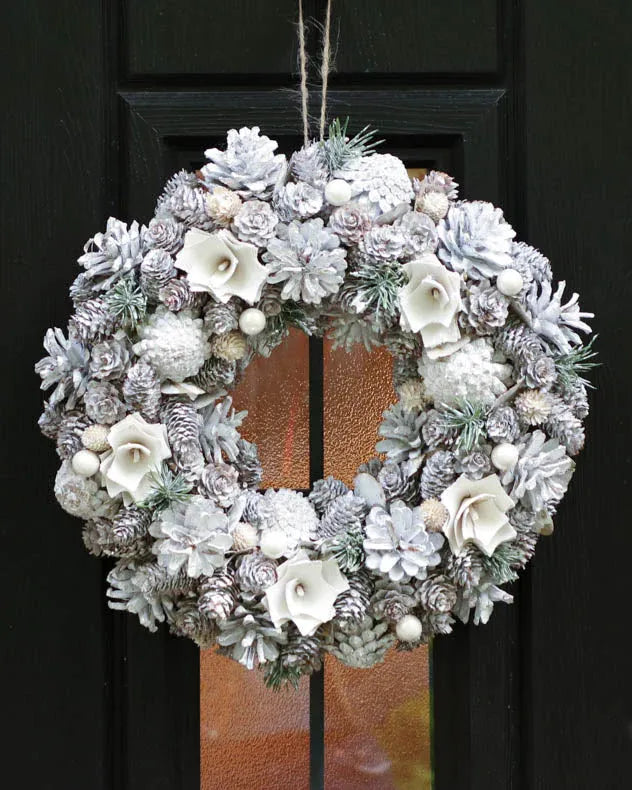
point(527, 104)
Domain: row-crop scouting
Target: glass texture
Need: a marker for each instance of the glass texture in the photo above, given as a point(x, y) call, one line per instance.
point(275, 392)
point(252, 737)
point(357, 389)
point(377, 724)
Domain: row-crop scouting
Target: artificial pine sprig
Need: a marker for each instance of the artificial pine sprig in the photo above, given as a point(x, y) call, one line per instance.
point(168, 487)
point(504, 562)
point(469, 420)
point(339, 148)
point(571, 366)
point(277, 675)
point(376, 287)
point(127, 302)
point(347, 549)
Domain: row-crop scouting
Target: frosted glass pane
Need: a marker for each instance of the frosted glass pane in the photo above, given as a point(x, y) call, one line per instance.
point(275, 392)
point(377, 724)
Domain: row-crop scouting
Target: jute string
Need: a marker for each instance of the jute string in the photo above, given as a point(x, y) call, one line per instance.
point(325, 66)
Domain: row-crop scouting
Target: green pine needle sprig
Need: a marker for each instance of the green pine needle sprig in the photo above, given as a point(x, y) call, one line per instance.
point(469, 419)
point(347, 549)
point(504, 562)
point(277, 676)
point(377, 288)
point(571, 367)
point(127, 302)
point(168, 487)
point(339, 148)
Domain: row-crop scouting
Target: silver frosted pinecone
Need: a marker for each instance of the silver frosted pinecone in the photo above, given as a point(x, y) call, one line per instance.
point(110, 359)
point(164, 233)
point(92, 321)
point(71, 426)
point(575, 395)
point(255, 572)
point(153, 579)
point(218, 595)
point(362, 645)
point(248, 636)
point(50, 419)
point(565, 426)
point(177, 295)
point(401, 432)
point(183, 433)
point(397, 484)
point(436, 623)
point(215, 373)
point(353, 604)
point(156, 271)
point(141, 391)
point(221, 318)
point(130, 531)
point(485, 309)
point(531, 264)
point(248, 464)
point(437, 594)
point(325, 491)
point(519, 343)
point(404, 369)
point(502, 425)
point(102, 403)
point(392, 600)
point(186, 204)
point(539, 373)
point(438, 473)
point(302, 653)
point(309, 164)
point(437, 431)
point(465, 569)
point(193, 624)
point(342, 514)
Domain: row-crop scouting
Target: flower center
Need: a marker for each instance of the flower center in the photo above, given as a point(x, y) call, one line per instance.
point(223, 265)
point(300, 590)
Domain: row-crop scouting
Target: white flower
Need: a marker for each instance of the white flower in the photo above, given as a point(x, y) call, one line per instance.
point(431, 300)
point(477, 511)
point(219, 264)
point(305, 592)
point(138, 449)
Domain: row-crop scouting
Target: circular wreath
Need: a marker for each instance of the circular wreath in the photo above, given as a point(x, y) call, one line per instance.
point(473, 458)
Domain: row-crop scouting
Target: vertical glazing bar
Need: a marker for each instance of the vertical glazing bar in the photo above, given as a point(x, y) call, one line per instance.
point(316, 464)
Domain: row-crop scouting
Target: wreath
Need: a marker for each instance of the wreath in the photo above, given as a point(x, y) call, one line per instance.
point(473, 459)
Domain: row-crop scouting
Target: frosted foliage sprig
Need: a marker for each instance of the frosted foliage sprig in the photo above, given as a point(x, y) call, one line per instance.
point(472, 460)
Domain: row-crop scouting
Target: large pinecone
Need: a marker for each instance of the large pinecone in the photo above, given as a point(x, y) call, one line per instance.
point(218, 595)
point(353, 604)
point(141, 391)
point(362, 645)
point(325, 491)
point(92, 321)
point(342, 514)
point(438, 473)
point(183, 433)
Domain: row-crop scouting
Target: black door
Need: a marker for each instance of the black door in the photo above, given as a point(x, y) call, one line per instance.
point(527, 103)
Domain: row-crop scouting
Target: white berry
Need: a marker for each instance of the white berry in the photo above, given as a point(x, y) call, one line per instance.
point(509, 282)
point(408, 629)
point(504, 456)
point(273, 543)
point(85, 463)
point(337, 192)
point(252, 321)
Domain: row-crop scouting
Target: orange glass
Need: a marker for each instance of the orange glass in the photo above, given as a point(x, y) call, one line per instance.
point(252, 737)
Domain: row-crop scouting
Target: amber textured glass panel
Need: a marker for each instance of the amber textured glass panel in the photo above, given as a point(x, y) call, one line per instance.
point(357, 389)
point(250, 737)
point(377, 724)
point(275, 392)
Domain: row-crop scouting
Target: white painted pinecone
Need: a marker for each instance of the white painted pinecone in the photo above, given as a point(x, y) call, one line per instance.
point(362, 645)
point(81, 496)
point(378, 182)
point(467, 374)
point(174, 344)
point(290, 512)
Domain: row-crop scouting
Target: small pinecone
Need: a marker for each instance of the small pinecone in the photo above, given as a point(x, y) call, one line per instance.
point(302, 652)
point(563, 425)
point(486, 309)
point(91, 536)
point(164, 233)
point(437, 594)
point(436, 623)
point(435, 514)
point(230, 346)
point(248, 464)
point(404, 369)
point(190, 622)
point(183, 432)
point(177, 295)
point(153, 578)
point(502, 425)
point(155, 272)
point(362, 645)
point(438, 473)
point(342, 513)
point(188, 205)
point(575, 396)
point(538, 372)
point(130, 530)
point(519, 343)
point(218, 595)
point(69, 435)
point(533, 406)
point(392, 600)
point(141, 391)
point(325, 491)
point(352, 604)
point(221, 318)
point(396, 484)
point(214, 374)
point(255, 572)
point(465, 568)
point(92, 321)
point(50, 420)
point(437, 432)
